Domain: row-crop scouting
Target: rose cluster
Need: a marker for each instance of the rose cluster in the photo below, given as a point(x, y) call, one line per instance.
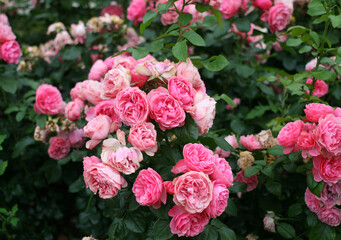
point(9, 48)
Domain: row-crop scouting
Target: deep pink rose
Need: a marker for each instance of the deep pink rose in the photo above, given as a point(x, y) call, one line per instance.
point(330, 216)
point(98, 128)
point(6, 33)
point(169, 186)
point(113, 10)
point(327, 169)
point(232, 140)
point(229, 8)
point(307, 142)
point(165, 109)
point(198, 158)
point(180, 167)
point(98, 70)
point(10, 52)
point(48, 100)
point(263, 4)
point(186, 70)
point(149, 189)
point(320, 89)
point(222, 172)
point(193, 191)
point(73, 109)
point(337, 112)
point(115, 81)
point(186, 224)
point(182, 91)
point(131, 105)
point(138, 80)
point(279, 17)
point(77, 138)
point(59, 148)
point(219, 200)
point(250, 142)
point(136, 11)
point(250, 181)
point(289, 134)
point(143, 136)
point(102, 178)
point(312, 202)
point(314, 111)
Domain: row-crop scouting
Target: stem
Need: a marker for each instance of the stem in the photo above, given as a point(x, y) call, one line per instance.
point(89, 203)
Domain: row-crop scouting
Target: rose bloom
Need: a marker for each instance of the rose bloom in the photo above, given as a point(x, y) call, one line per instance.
point(77, 138)
point(193, 191)
point(279, 17)
point(91, 91)
point(263, 4)
point(250, 181)
point(102, 178)
point(327, 169)
point(115, 81)
point(250, 142)
point(186, 224)
point(269, 222)
point(180, 167)
point(198, 158)
point(328, 134)
point(288, 3)
point(131, 105)
point(4, 19)
point(222, 172)
point(307, 142)
point(136, 11)
point(113, 10)
point(229, 8)
point(48, 100)
point(204, 111)
point(165, 109)
point(189, 72)
point(98, 128)
point(288, 135)
point(337, 112)
point(320, 88)
point(245, 160)
point(165, 69)
point(143, 136)
point(312, 202)
point(314, 111)
point(78, 31)
point(97, 70)
point(169, 18)
point(138, 80)
point(181, 90)
point(10, 52)
point(219, 200)
point(6, 33)
point(148, 189)
point(62, 38)
point(231, 139)
point(127, 62)
point(59, 148)
point(330, 216)
point(73, 109)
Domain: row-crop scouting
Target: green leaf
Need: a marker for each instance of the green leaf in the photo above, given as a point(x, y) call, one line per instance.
point(185, 18)
point(162, 230)
point(163, 8)
point(227, 99)
point(179, 51)
point(78, 155)
point(8, 84)
point(41, 120)
point(293, 42)
point(316, 38)
point(244, 70)
point(225, 232)
point(3, 166)
point(2, 139)
point(52, 171)
point(135, 222)
point(276, 150)
point(20, 146)
point(297, 30)
point(316, 9)
point(315, 187)
point(238, 187)
point(286, 230)
point(258, 111)
point(140, 52)
point(305, 49)
point(325, 75)
point(150, 15)
point(189, 132)
point(218, 16)
point(274, 187)
point(194, 38)
point(294, 209)
point(77, 185)
point(215, 63)
point(14, 221)
point(252, 171)
point(336, 20)
point(20, 116)
point(202, 8)
point(209, 233)
point(322, 231)
point(243, 24)
point(72, 53)
point(209, 21)
point(223, 144)
point(157, 45)
point(231, 208)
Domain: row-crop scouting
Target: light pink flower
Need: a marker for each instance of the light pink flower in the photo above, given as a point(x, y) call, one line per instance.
point(143, 136)
point(251, 182)
point(77, 138)
point(219, 200)
point(229, 8)
point(312, 202)
point(232, 140)
point(288, 3)
point(250, 142)
point(78, 31)
point(279, 17)
point(73, 109)
point(327, 169)
point(115, 81)
point(307, 142)
point(311, 64)
point(98, 128)
point(235, 101)
point(198, 158)
point(91, 91)
point(102, 178)
point(181, 90)
point(149, 189)
point(222, 172)
point(113, 10)
point(98, 70)
point(48, 100)
point(6, 33)
point(136, 11)
point(189, 72)
point(314, 111)
point(59, 148)
point(10, 52)
point(269, 222)
point(165, 69)
point(320, 88)
point(4, 20)
point(263, 4)
point(62, 38)
point(330, 216)
point(289, 134)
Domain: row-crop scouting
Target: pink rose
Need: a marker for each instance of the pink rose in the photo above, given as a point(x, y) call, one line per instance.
point(169, 18)
point(311, 64)
point(229, 8)
point(330, 216)
point(138, 80)
point(136, 11)
point(279, 17)
point(131, 105)
point(314, 111)
point(59, 148)
point(127, 62)
point(10, 52)
point(169, 186)
point(328, 134)
point(115, 81)
point(198, 158)
point(235, 101)
point(78, 31)
point(219, 200)
point(204, 111)
point(307, 142)
point(148, 189)
point(6, 33)
point(320, 88)
point(263, 4)
point(251, 182)
point(250, 142)
point(327, 169)
point(77, 138)
point(337, 112)
point(186, 224)
point(98, 128)
point(193, 191)
point(222, 172)
point(88, 90)
point(288, 135)
point(312, 202)
point(113, 10)
point(98, 70)
point(62, 38)
point(143, 136)
point(48, 100)
point(73, 109)
point(165, 109)
point(186, 70)
point(4, 20)
point(288, 3)
point(180, 167)
point(182, 91)
point(232, 140)
point(102, 178)
point(165, 69)
point(269, 222)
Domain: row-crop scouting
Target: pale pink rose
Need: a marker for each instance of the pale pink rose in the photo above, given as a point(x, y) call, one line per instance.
point(314, 111)
point(6, 33)
point(102, 178)
point(229, 8)
point(250, 142)
point(193, 191)
point(307, 142)
point(251, 182)
point(330, 216)
point(136, 11)
point(219, 200)
point(327, 169)
point(62, 38)
point(269, 222)
point(98, 70)
point(169, 18)
point(55, 27)
point(131, 105)
point(4, 20)
point(10, 52)
point(182, 91)
point(312, 202)
point(204, 111)
point(149, 189)
point(165, 109)
point(91, 91)
point(328, 134)
point(165, 69)
point(288, 3)
point(263, 4)
point(113, 10)
point(311, 64)
point(143, 136)
point(320, 88)
point(198, 158)
point(48, 100)
point(235, 101)
point(115, 81)
point(73, 109)
point(77, 138)
point(186, 224)
point(232, 140)
point(189, 72)
point(222, 172)
point(59, 148)
point(127, 62)
point(138, 80)
point(98, 128)
point(289, 134)
point(180, 167)
point(76, 91)
point(78, 31)
point(279, 17)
